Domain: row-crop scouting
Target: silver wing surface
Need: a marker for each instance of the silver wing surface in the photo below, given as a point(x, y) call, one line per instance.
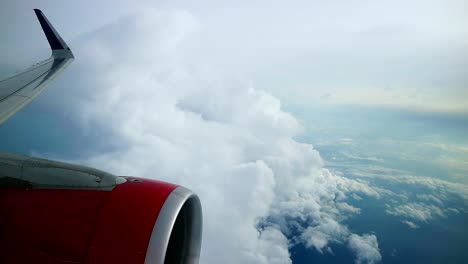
point(20, 89)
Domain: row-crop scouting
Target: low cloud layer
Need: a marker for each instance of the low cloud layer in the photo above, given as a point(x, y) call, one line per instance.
point(410, 224)
point(165, 118)
point(367, 248)
point(417, 211)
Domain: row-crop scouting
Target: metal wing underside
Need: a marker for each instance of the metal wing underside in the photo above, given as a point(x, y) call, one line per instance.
point(20, 89)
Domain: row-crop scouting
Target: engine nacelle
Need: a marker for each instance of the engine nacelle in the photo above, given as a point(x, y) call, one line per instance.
point(54, 212)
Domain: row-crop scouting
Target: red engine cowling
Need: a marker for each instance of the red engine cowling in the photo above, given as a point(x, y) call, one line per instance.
point(53, 212)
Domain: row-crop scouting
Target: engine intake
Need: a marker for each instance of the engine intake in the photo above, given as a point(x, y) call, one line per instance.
point(177, 230)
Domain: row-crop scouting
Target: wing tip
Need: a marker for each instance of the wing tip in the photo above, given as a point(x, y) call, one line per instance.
point(55, 41)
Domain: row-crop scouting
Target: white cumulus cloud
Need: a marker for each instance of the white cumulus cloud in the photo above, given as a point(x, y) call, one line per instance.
point(180, 121)
point(417, 211)
point(366, 247)
point(410, 224)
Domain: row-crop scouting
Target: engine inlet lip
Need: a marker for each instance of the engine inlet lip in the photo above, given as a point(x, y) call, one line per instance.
point(161, 234)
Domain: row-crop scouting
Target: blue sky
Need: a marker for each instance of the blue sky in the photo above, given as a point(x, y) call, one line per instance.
point(295, 118)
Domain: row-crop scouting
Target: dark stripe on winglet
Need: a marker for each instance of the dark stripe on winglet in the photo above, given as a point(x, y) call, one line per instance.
point(48, 31)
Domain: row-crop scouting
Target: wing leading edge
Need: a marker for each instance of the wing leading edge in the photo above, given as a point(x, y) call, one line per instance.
point(20, 89)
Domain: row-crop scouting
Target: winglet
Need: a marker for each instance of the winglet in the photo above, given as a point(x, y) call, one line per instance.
point(55, 41)
point(20, 89)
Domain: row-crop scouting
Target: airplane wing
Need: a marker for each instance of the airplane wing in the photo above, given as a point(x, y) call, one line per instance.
point(20, 89)
point(55, 212)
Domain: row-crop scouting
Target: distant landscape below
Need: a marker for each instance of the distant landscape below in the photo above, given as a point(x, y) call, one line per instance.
point(419, 160)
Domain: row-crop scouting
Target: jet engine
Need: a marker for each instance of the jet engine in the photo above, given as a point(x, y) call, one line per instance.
point(55, 212)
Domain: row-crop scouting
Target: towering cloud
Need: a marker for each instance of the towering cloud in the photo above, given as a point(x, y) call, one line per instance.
point(180, 121)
